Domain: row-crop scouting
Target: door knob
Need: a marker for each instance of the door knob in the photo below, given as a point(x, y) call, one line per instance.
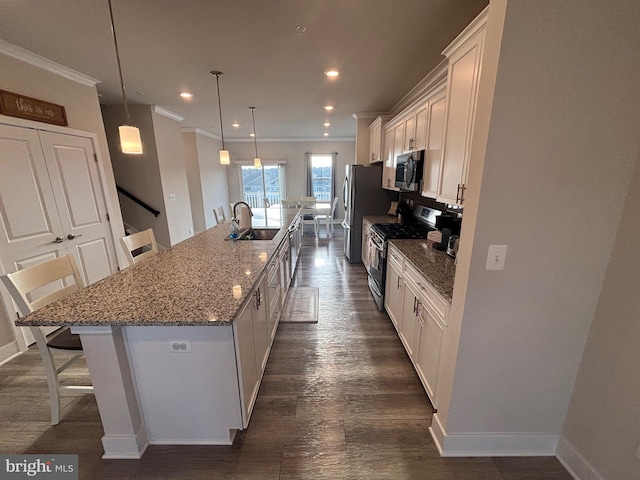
point(58, 240)
point(71, 236)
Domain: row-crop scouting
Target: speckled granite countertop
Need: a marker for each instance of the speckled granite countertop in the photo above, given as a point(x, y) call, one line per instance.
point(436, 266)
point(189, 284)
point(381, 218)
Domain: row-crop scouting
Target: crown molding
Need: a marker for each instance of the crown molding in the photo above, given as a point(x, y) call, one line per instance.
point(19, 53)
point(471, 29)
point(293, 139)
point(167, 113)
point(363, 115)
point(200, 131)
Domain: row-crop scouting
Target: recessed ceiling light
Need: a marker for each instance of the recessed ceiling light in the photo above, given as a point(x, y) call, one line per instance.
point(326, 124)
point(235, 124)
point(301, 29)
point(326, 134)
point(328, 108)
point(332, 73)
point(186, 95)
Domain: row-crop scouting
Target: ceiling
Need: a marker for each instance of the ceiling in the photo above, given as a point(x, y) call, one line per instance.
point(382, 49)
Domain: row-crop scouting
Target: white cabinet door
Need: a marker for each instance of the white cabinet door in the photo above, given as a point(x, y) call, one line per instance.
point(462, 89)
point(389, 169)
point(409, 136)
point(409, 328)
point(261, 333)
point(246, 356)
point(394, 295)
point(427, 362)
point(433, 149)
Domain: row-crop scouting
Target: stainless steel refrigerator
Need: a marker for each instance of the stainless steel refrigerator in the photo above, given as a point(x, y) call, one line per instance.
point(362, 194)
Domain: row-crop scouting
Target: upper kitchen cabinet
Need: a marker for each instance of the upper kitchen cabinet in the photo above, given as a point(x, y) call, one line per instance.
point(415, 129)
point(465, 59)
point(376, 139)
point(389, 168)
point(434, 110)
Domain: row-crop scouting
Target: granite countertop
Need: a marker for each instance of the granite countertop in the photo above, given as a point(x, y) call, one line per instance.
point(190, 283)
point(381, 218)
point(437, 267)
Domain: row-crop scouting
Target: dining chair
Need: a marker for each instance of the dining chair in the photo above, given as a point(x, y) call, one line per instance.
point(308, 205)
point(327, 217)
point(290, 203)
point(143, 244)
point(22, 286)
point(219, 215)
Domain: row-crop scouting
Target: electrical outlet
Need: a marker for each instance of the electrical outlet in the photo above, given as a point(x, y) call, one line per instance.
point(180, 346)
point(172, 197)
point(496, 257)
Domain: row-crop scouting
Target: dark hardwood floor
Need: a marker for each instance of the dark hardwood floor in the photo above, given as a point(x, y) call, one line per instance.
point(339, 400)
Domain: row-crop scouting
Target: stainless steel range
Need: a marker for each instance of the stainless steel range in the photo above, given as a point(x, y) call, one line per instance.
point(417, 226)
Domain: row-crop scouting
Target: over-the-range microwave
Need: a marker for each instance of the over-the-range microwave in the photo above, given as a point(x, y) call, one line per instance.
point(409, 168)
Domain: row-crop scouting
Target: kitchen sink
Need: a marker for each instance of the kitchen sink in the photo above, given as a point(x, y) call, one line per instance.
point(256, 234)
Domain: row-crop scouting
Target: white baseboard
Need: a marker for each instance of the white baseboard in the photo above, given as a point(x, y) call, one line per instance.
point(9, 351)
point(574, 462)
point(491, 445)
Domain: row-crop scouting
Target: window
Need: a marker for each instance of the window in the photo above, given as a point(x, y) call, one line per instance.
point(321, 176)
point(260, 183)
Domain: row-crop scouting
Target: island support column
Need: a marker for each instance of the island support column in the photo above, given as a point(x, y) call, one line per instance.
point(105, 351)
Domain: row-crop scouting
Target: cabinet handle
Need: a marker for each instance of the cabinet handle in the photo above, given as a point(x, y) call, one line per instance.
point(398, 286)
point(373, 157)
point(58, 240)
point(462, 189)
point(458, 193)
point(415, 300)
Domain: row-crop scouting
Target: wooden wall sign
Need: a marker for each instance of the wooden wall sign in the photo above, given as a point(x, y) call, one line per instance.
point(16, 105)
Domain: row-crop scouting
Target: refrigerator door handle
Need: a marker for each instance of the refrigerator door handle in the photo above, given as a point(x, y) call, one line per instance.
point(345, 225)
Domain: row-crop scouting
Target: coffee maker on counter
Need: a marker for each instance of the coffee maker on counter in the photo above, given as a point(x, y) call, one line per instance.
point(449, 225)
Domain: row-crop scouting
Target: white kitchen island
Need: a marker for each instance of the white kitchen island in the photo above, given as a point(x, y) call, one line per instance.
point(176, 345)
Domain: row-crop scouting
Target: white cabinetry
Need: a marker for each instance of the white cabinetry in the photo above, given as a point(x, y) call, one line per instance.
point(433, 148)
point(415, 129)
point(274, 296)
point(419, 314)
point(410, 309)
point(376, 139)
point(394, 287)
point(389, 169)
point(465, 59)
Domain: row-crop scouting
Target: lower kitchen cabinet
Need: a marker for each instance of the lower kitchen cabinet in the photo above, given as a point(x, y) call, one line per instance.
point(394, 287)
point(409, 327)
point(419, 314)
point(427, 361)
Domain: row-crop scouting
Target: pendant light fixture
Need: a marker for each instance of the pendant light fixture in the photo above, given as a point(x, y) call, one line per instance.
point(256, 161)
point(224, 154)
point(129, 135)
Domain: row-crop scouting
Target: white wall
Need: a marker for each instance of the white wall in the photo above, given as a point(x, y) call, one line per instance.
point(294, 154)
point(603, 421)
point(173, 175)
point(83, 113)
point(561, 141)
point(207, 178)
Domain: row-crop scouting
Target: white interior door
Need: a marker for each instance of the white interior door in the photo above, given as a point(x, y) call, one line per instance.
point(51, 203)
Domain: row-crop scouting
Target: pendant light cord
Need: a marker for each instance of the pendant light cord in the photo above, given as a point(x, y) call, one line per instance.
point(255, 136)
point(115, 42)
point(218, 74)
